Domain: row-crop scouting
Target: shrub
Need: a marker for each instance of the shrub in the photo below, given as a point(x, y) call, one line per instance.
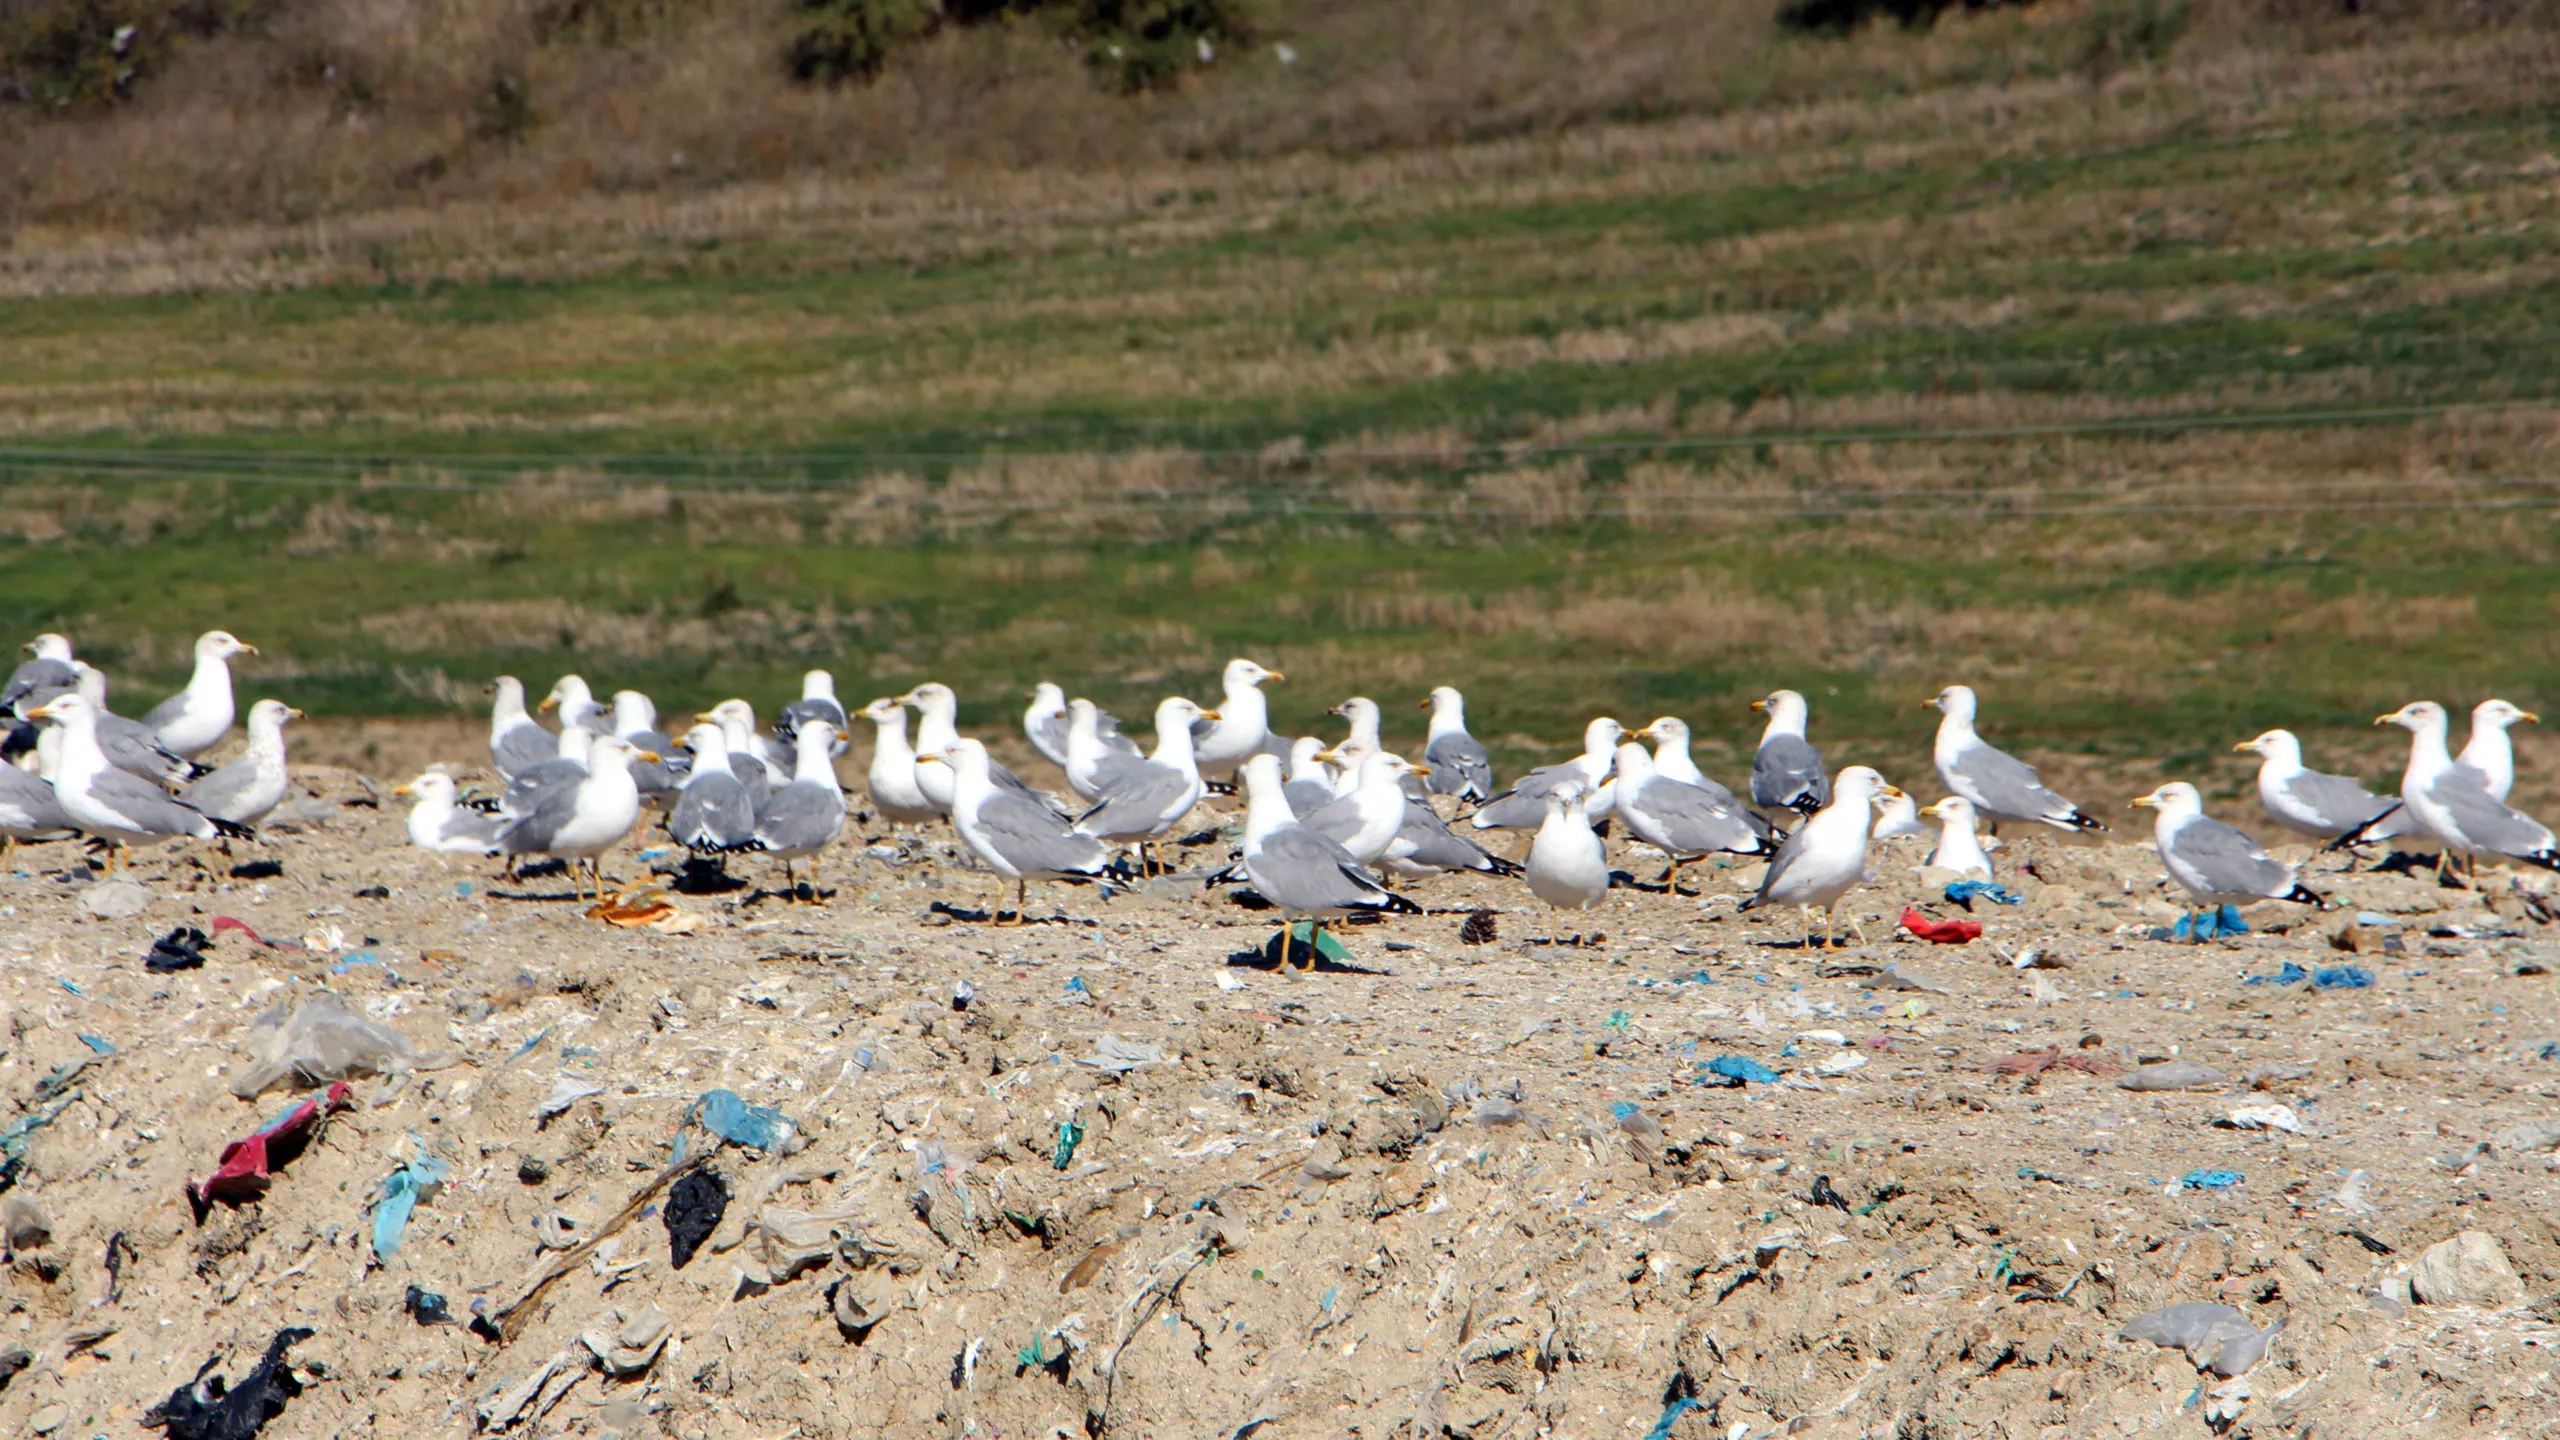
point(59, 54)
point(841, 40)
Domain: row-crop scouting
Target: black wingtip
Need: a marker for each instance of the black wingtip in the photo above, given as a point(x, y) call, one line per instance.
point(232, 830)
point(1506, 868)
point(1806, 806)
point(1395, 904)
point(2304, 894)
point(2085, 825)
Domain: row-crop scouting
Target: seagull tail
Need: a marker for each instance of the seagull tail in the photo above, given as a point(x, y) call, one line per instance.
point(2304, 894)
point(231, 829)
point(2082, 823)
point(2360, 833)
point(1390, 903)
point(1807, 805)
point(2548, 858)
point(1497, 865)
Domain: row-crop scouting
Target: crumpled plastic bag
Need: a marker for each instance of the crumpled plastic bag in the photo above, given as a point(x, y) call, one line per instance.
point(321, 1041)
point(783, 1243)
point(1953, 931)
point(2216, 1337)
point(1113, 1053)
point(633, 1347)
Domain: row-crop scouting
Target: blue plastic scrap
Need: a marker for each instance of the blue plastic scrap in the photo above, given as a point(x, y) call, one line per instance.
point(400, 1195)
point(1965, 892)
point(758, 1127)
point(2341, 977)
point(2209, 1179)
point(2210, 925)
point(2291, 974)
point(1735, 1070)
point(99, 1043)
point(1671, 1414)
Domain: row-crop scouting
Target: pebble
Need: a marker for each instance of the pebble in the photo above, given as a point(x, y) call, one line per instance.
point(115, 899)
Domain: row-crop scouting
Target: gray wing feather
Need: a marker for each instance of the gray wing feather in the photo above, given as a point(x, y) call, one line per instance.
point(145, 805)
point(2487, 822)
point(2009, 785)
point(28, 803)
point(1049, 736)
point(166, 711)
point(1107, 726)
point(523, 747)
point(800, 815)
point(37, 675)
point(1435, 845)
point(532, 832)
point(2228, 860)
point(2340, 803)
point(1007, 780)
point(1298, 869)
point(1035, 840)
point(788, 721)
point(132, 748)
point(1459, 766)
point(1524, 805)
point(1306, 797)
point(1788, 770)
point(714, 812)
point(1694, 821)
point(222, 791)
point(1336, 820)
point(1136, 802)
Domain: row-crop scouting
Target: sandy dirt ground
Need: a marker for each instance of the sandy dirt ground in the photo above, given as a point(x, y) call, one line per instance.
point(1439, 1188)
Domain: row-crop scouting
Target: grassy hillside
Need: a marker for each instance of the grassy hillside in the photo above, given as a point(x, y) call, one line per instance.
point(2163, 401)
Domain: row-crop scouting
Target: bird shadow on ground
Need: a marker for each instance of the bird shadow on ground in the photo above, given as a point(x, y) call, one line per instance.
point(802, 893)
point(1268, 958)
point(257, 870)
point(704, 877)
point(988, 917)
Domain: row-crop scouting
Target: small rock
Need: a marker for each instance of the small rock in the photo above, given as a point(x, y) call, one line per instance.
point(2469, 1269)
point(115, 899)
point(22, 1223)
point(531, 1171)
point(49, 1419)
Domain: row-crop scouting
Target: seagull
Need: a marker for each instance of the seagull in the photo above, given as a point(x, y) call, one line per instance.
point(2310, 803)
point(713, 813)
point(1787, 771)
point(1366, 821)
point(30, 813)
point(1460, 765)
point(437, 823)
point(1361, 716)
point(1826, 857)
point(745, 748)
point(1425, 845)
point(1242, 723)
point(1957, 849)
point(817, 702)
point(129, 745)
point(1145, 799)
point(1671, 760)
point(1303, 874)
point(579, 823)
point(2219, 865)
point(635, 718)
point(1568, 866)
point(576, 703)
point(576, 743)
point(1524, 805)
point(195, 719)
point(2489, 751)
point(1310, 783)
point(1020, 838)
point(244, 791)
point(800, 820)
point(2000, 786)
point(2451, 801)
point(937, 725)
point(48, 671)
point(1683, 821)
point(1095, 748)
point(892, 776)
point(515, 741)
point(1895, 818)
point(1046, 720)
point(112, 805)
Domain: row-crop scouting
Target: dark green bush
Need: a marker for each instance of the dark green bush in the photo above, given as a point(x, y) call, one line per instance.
point(65, 53)
point(842, 40)
point(1131, 45)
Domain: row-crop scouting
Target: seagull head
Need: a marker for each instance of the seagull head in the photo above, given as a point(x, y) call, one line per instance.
point(1047, 698)
point(433, 785)
point(64, 709)
point(2273, 744)
point(1954, 808)
point(1245, 675)
point(1602, 735)
point(49, 646)
point(2498, 714)
point(2416, 716)
point(1955, 702)
point(1443, 697)
point(222, 645)
point(882, 710)
point(2175, 798)
point(1860, 785)
point(568, 689)
point(1670, 727)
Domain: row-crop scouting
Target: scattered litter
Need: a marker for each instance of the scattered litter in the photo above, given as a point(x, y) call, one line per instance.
point(402, 1192)
point(320, 1041)
point(426, 1307)
point(2209, 1179)
point(246, 1165)
point(1965, 892)
point(2351, 1196)
point(758, 1127)
point(1950, 931)
point(1120, 1056)
point(204, 1409)
point(1842, 1064)
point(228, 922)
point(633, 1345)
point(1732, 1070)
point(566, 1091)
point(2341, 977)
point(2263, 1117)
point(180, 949)
point(2218, 1338)
point(2208, 925)
point(1070, 1135)
point(696, 1204)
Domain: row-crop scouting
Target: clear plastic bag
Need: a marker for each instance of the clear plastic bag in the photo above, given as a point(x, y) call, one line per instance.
point(320, 1041)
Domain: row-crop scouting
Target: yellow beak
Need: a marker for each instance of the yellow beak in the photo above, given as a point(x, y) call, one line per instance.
point(2386, 719)
point(248, 649)
point(931, 760)
point(292, 714)
point(1273, 675)
point(549, 703)
point(652, 756)
point(2245, 745)
point(404, 790)
point(2146, 802)
point(1892, 793)
point(2528, 715)
point(1759, 704)
point(41, 712)
point(1425, 705)
point(1208, 714)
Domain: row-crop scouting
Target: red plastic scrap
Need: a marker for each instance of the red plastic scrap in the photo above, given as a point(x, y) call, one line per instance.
point(246, 1165)
point(230, 922)
point(1939, 932)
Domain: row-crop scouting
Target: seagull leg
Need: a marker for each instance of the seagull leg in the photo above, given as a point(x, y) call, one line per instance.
point(1857, 929)
point(1021, 902)
point(1284, 944)
point(1315, 937)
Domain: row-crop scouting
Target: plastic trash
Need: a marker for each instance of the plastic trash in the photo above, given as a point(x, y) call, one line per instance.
point(2341, 977)
point(1842, 1064)
point(402, 1193)
point(426, 1307)
point(696, 1204)
point(204, 1409)
point(2173, 1075)
point(228, 922)
point(1632, 1119)
point(1939, 932)
point(1965, 892)
point(1070, 1135)
point(2216, 1337)
point(321, 1041)
point(1301, 935)
point(2209, 1179)
point(632, 1346)
point(1120, 1056)
point(1730, 1070)
point(180, 949)
point(2265, 1117)
point(242, 1171)
point(2291, 974)
point(565, 1092)
point(1823, 1194)
point(758, 1127)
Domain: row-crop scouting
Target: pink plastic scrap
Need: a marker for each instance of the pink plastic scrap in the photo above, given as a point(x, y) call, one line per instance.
point(228, 922)
point(250, 1161)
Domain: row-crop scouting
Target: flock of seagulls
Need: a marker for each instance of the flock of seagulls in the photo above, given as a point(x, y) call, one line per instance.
point(1328, 826)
